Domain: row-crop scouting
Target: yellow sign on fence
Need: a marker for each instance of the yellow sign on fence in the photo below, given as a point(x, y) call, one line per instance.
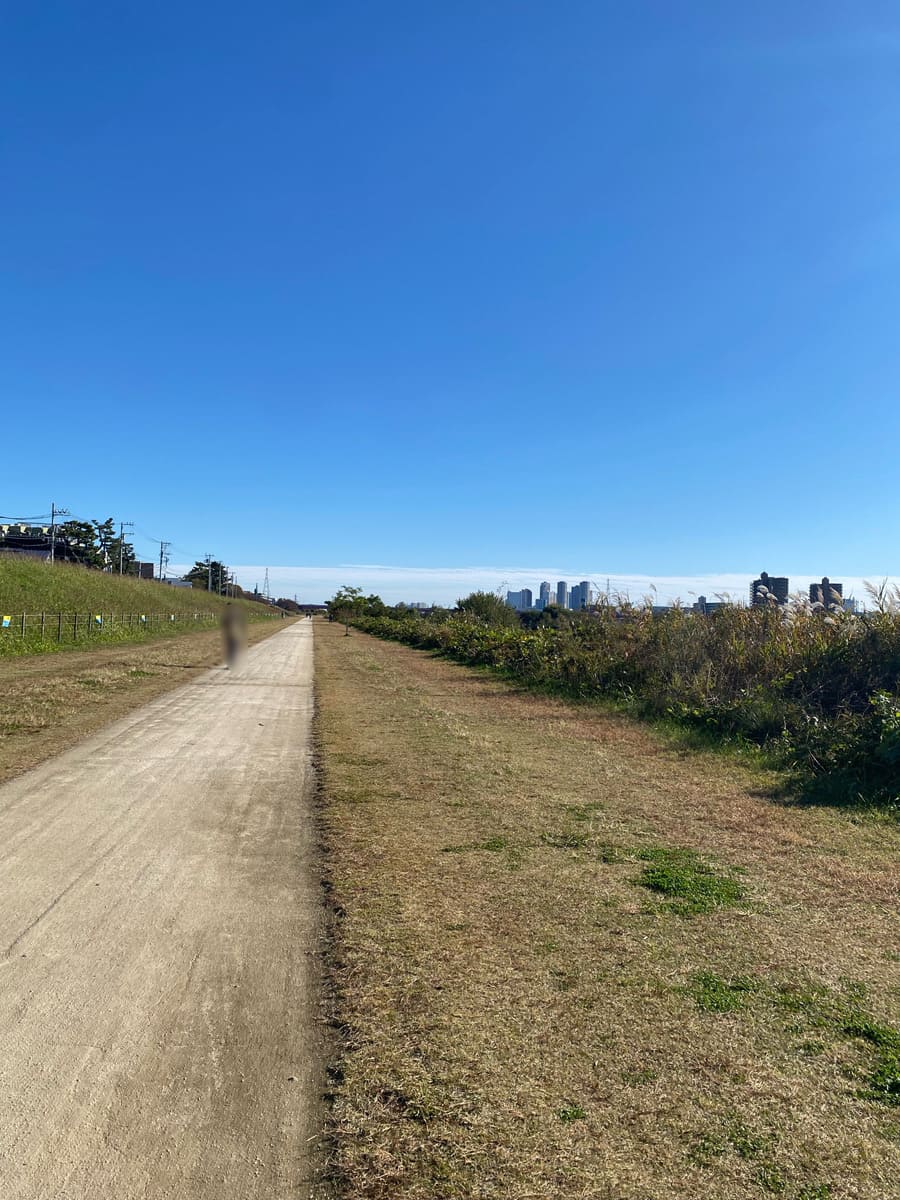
point(7, 621)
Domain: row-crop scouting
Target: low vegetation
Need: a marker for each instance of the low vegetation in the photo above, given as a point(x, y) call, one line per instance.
point(66, 606)
point(816, 688)
point(571, 960)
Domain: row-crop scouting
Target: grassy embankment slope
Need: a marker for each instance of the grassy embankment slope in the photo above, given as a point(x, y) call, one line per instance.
point(80, 595)
point(572, 961)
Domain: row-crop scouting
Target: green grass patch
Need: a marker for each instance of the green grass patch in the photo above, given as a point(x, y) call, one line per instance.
point(843, 1016)
point(714, 994)
point(883, 1081)
point(571, 1112)
point(737, 1137)
point(689, 884)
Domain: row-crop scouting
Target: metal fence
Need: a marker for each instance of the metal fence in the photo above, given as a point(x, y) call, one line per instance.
point(18, 630)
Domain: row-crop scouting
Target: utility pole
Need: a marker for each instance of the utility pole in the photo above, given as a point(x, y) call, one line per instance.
point(209, 572)
point(54, 513)
point(122, 525)
point(163, 547)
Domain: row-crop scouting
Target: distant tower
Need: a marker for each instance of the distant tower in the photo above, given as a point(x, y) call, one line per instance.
point(562, 594)
point(544, 598)
point(827, 592)
point(776, 585)
point(266, 585)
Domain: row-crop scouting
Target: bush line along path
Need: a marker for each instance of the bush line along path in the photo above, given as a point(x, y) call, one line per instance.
point(819, 691)
point(571, 961)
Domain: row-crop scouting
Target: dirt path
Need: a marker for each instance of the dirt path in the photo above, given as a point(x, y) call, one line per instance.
point(49, 702)
point(159, 919)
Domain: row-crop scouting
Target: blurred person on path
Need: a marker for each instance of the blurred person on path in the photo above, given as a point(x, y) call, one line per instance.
point(234, 633)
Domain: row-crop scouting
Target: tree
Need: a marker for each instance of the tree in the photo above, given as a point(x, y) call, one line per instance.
point(105, 536)
point(488, 608)
point(209, 577)
point(349, 602)
point(127, 556)
point(76, 541)
point(346, 603)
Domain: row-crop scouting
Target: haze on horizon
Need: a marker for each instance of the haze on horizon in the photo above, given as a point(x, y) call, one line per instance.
point(458, 284)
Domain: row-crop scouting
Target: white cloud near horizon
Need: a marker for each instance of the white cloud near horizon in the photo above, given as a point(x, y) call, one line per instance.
point(444, 585)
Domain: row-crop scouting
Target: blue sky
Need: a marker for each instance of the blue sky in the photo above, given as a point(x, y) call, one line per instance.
point(440, 286)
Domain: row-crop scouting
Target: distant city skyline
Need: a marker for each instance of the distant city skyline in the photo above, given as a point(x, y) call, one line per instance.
point(444, 585)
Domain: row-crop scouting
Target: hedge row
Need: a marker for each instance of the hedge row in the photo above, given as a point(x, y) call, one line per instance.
point(817, 690)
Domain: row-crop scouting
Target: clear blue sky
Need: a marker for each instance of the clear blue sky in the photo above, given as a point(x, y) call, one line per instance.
point(455, 284)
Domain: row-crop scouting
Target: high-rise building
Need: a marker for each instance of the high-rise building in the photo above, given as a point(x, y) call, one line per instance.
point(520, 601)
point(544, 595)
point(586, 595)
point(774, 585)
point(826, 592)
point(575, 597)
point(562, 594)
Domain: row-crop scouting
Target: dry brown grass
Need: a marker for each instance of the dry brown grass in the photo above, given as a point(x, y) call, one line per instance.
point(521, 1018)
point(49, 702)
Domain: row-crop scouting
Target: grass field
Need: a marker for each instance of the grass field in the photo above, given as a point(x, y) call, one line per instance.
point(573, 961)
point(66, 606)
